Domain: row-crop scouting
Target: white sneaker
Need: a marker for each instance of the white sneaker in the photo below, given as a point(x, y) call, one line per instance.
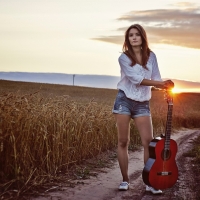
point(154, 191)
point(124, 186)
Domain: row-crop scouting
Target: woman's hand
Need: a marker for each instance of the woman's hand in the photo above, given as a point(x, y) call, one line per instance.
point(168, 84)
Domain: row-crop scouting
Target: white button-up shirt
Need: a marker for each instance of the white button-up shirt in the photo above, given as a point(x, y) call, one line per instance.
point(132, 76)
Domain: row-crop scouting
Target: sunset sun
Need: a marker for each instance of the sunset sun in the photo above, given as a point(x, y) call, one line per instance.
point(176, 90)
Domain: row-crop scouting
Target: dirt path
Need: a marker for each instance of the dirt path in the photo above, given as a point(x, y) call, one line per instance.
point(104, 186)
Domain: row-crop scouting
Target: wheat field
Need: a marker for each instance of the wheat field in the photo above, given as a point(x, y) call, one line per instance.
point(45, 129)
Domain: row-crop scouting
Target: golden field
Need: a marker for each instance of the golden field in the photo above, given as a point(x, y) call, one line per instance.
point(45, 128)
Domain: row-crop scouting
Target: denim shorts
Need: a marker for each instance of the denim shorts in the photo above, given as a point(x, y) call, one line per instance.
point(124, 105)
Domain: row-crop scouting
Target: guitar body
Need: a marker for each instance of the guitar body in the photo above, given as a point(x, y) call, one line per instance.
point(161, 171)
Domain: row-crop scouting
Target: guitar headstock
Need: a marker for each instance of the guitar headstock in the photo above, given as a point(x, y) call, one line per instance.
point(168, 96)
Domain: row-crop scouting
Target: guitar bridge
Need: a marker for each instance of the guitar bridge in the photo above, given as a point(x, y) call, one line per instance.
point(164, 173)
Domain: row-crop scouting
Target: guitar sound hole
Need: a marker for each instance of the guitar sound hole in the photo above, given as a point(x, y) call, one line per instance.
point(166, 154)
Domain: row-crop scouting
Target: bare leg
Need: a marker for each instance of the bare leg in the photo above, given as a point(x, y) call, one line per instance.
point(123, 127)
point(144, 126)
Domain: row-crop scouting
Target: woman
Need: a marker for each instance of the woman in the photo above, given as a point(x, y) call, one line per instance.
point(139, 71)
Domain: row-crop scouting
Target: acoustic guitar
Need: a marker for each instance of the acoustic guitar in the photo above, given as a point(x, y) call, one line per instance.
point(161, 171)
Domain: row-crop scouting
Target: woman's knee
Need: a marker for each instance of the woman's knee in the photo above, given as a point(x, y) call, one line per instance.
point(123, 143)
point(146, 142)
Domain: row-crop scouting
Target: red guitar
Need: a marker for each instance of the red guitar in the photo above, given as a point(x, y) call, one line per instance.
point(161, 171)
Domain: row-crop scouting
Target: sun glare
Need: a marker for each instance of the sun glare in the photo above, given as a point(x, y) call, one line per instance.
point(180, 90)
point(176, 90)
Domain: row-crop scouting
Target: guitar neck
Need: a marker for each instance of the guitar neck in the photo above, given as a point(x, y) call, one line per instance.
point(168, 127)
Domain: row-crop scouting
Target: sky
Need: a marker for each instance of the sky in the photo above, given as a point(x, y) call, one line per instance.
point(86, 36)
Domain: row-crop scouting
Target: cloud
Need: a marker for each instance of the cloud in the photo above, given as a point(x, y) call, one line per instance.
point(184, 4)
point(180, 27)
point(116, 39)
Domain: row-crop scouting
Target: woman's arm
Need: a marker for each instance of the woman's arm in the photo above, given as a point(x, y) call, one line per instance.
point(159, 84)
point(156, 80)
point(137, 79)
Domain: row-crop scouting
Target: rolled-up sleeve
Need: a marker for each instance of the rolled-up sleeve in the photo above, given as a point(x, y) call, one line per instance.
point(155, 70)
point(128, 71)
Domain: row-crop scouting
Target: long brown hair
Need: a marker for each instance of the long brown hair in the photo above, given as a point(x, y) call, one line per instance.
point(127, 48)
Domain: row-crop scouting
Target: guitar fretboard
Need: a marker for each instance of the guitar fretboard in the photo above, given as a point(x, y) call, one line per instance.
point(168, 127)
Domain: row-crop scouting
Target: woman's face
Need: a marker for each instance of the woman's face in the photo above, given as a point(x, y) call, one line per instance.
point(135, 38)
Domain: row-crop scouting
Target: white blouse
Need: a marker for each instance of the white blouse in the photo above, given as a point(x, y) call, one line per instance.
point(131, 77)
